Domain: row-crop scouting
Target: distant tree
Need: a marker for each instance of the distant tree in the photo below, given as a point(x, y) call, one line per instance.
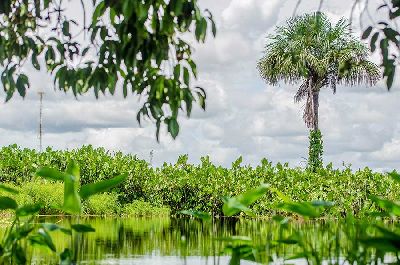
point(311, 50)
point(139, 43)
point(383, 34)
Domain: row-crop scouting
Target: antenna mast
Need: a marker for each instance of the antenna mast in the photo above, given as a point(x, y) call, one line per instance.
point(41, 93)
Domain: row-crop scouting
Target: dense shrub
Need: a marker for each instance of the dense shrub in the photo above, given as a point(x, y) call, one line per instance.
point(141, 208)
point(103, 204)
point(201, 187)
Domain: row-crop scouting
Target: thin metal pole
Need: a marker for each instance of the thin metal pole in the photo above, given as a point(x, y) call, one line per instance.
point(40, 120)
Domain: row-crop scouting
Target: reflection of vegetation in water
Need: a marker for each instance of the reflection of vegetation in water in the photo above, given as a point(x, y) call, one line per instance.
point(128, 238)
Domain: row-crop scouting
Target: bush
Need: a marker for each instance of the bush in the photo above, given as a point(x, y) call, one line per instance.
point(141, 208)
point(183, 186)
point(103, 204)
point(49, 194)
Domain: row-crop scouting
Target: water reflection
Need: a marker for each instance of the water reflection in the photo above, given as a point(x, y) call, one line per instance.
point(174, 241)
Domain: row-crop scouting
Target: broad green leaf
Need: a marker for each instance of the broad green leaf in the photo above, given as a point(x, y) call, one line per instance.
point(305, 209)
point(197, 214)
point(50, 173)
point(19, 255)
point(22, 84)
point(72, 202)
point(282, 196)
point(55, 227)
point(101, 186)
point(395, 176)
point(173, 127)
point(81, 228)
point(233, 206)
point(7, 203)
point(8, 189)
point(66, 257)
point(28, 210)
point(253, 195)
point(42, 238)
point(382, 243)
point(240, 203)
point(387, 205)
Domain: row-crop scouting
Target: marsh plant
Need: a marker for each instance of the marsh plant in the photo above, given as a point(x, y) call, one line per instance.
point(24, 233)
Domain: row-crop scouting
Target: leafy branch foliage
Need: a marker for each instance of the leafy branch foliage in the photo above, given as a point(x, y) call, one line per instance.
point(386, 34)
point(138, 45)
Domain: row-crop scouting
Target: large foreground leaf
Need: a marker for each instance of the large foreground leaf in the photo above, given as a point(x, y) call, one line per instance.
point(235, 205)
point(101, 186)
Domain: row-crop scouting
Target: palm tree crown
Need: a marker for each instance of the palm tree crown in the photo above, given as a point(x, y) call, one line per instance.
point(311, 50)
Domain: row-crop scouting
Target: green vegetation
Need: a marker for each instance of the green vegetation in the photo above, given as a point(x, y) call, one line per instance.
point(182, 186)
point(24, 234)
point(315, 151)
point(140, 46)
point(312, 51)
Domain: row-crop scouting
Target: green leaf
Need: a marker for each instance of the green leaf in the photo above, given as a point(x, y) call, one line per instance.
point(35, 62)
point(65, 29)
point(305, 209)
point(197, 214)
point(394, 175)
point(7, 203)
point(50, 173)
point(55, 227)
point(390, 78)
point(22, 84)
point(186, 76)
point(66, 256)
point(99, 11)
point(374, 38)
point(42, 238)
point(240, 203)
point(173, 127)
point(366, 33)
point(73, 169)
point(8, 189)
point(193, 66)
point(28, 210)
point(387, 205)
point(101, 186)
point(81, 228)
point(72, 202)
point(5, 6)
point(19, 255)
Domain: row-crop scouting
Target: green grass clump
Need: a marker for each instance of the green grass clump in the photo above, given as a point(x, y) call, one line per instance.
point(141, 208)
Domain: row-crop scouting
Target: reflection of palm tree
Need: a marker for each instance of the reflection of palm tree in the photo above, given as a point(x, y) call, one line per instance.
point(309, 49)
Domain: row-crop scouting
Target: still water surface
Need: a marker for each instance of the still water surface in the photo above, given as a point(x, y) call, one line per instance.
point(173, 241)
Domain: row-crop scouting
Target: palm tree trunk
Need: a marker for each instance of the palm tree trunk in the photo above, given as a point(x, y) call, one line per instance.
point(315, 109)
point(315, 150)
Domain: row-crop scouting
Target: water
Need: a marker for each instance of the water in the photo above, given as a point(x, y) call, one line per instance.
point(172, 241)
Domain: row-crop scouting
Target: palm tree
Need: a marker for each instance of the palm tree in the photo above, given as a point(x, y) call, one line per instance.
point(312, 51)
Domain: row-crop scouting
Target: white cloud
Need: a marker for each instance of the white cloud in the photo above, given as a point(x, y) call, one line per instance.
point(244, 115)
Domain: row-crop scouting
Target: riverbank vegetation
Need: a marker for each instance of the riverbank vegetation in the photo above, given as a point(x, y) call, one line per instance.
point(182, 186)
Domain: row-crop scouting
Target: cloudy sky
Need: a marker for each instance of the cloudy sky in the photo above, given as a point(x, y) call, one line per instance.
point(244, 117)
